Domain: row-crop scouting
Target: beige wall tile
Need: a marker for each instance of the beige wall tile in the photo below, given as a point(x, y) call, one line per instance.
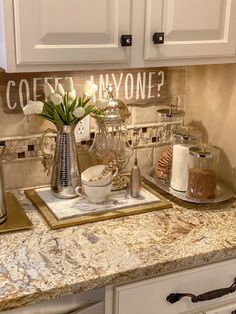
point(181, 101)
point(30, 154)
point(144, 114)
point(176, 78)
point(31, 141)
point(11, 156)
point(20, 149)
point(19, 125)
point(145, 159)
point(9, 150)
point(93, 125)
point(8, 144)
point(12, 124)
point(24, 173)
point(211, 105)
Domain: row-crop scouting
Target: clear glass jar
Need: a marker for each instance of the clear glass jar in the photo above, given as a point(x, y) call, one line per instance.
point(110, 146)
point(168, 117)
point(183, 139)
point(202, 172)
point(186, 135)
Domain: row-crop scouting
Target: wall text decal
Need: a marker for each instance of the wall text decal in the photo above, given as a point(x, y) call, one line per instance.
point(137, 86)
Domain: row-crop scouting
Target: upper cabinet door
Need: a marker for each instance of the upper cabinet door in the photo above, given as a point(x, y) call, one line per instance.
point(192, 28)
point(71, 31)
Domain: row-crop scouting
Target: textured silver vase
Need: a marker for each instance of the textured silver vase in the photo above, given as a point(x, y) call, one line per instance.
point(65, 175)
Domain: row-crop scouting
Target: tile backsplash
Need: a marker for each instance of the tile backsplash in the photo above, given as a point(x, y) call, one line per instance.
point(22, 134)
point(208, 94)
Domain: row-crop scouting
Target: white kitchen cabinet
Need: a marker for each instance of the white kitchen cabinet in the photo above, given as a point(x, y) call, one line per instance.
point(42, 35)
point(64, 32)
point(149, 296)
point(192, 28)
point(223, 309)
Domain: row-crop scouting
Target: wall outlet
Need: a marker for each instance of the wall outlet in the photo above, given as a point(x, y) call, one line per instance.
point(82, 130)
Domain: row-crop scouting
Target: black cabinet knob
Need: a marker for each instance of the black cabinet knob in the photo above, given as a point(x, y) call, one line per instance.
point(126, 40)
point(158, 38)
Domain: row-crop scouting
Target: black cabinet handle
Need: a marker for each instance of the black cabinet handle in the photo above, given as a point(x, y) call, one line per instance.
point(210, 295)
point(158, 38)
point(126, 40)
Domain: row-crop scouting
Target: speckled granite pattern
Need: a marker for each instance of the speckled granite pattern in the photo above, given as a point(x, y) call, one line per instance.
point(43, 264)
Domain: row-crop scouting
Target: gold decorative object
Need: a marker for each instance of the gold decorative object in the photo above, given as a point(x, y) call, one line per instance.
point(110, 146)
point(16, 217)
point(164, 164)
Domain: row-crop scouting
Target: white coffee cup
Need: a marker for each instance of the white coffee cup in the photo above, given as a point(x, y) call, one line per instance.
point(97, 194)
point(96, 171)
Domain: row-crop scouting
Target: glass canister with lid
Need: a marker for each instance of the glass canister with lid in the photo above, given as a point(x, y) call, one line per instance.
point(202, 172)
point(169, 117)
point(110, 145)
point(186, 135)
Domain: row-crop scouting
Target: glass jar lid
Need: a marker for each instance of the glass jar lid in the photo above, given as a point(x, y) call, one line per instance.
point(186, 133)
point(112, 110)
point(171, 111)
point(204, 151)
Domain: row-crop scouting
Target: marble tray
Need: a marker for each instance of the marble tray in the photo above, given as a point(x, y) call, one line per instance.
point(62, 213)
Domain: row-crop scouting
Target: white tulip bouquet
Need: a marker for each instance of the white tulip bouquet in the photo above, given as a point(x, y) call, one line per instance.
point(63, 107)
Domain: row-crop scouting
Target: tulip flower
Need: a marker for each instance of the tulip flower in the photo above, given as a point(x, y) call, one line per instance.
point(60, 90)
point(72, 95)
point(33, 107)
point(63, 107)
point(68, 86)
point(90, 89)
point(56, 99)
point(48, 89)
point(79, 112)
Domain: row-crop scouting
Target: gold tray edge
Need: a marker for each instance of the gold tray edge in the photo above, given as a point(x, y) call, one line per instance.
point(90, 218)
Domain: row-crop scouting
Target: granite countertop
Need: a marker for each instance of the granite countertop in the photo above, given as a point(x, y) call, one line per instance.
point(42, 264)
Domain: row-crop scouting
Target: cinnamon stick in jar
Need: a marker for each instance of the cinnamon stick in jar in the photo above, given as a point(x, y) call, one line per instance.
point(201, 184)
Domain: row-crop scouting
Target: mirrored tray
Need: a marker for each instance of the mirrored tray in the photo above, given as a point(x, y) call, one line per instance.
point(224, 193)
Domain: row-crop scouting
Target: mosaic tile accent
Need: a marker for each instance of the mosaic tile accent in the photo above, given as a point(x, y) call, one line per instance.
point(26, 148)
point(30, 147)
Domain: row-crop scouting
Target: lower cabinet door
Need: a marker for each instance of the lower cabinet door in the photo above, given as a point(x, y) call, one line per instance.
point(224, 309)
point(186, 292)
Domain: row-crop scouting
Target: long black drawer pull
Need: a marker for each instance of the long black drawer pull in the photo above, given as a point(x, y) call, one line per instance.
point(214, 294)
